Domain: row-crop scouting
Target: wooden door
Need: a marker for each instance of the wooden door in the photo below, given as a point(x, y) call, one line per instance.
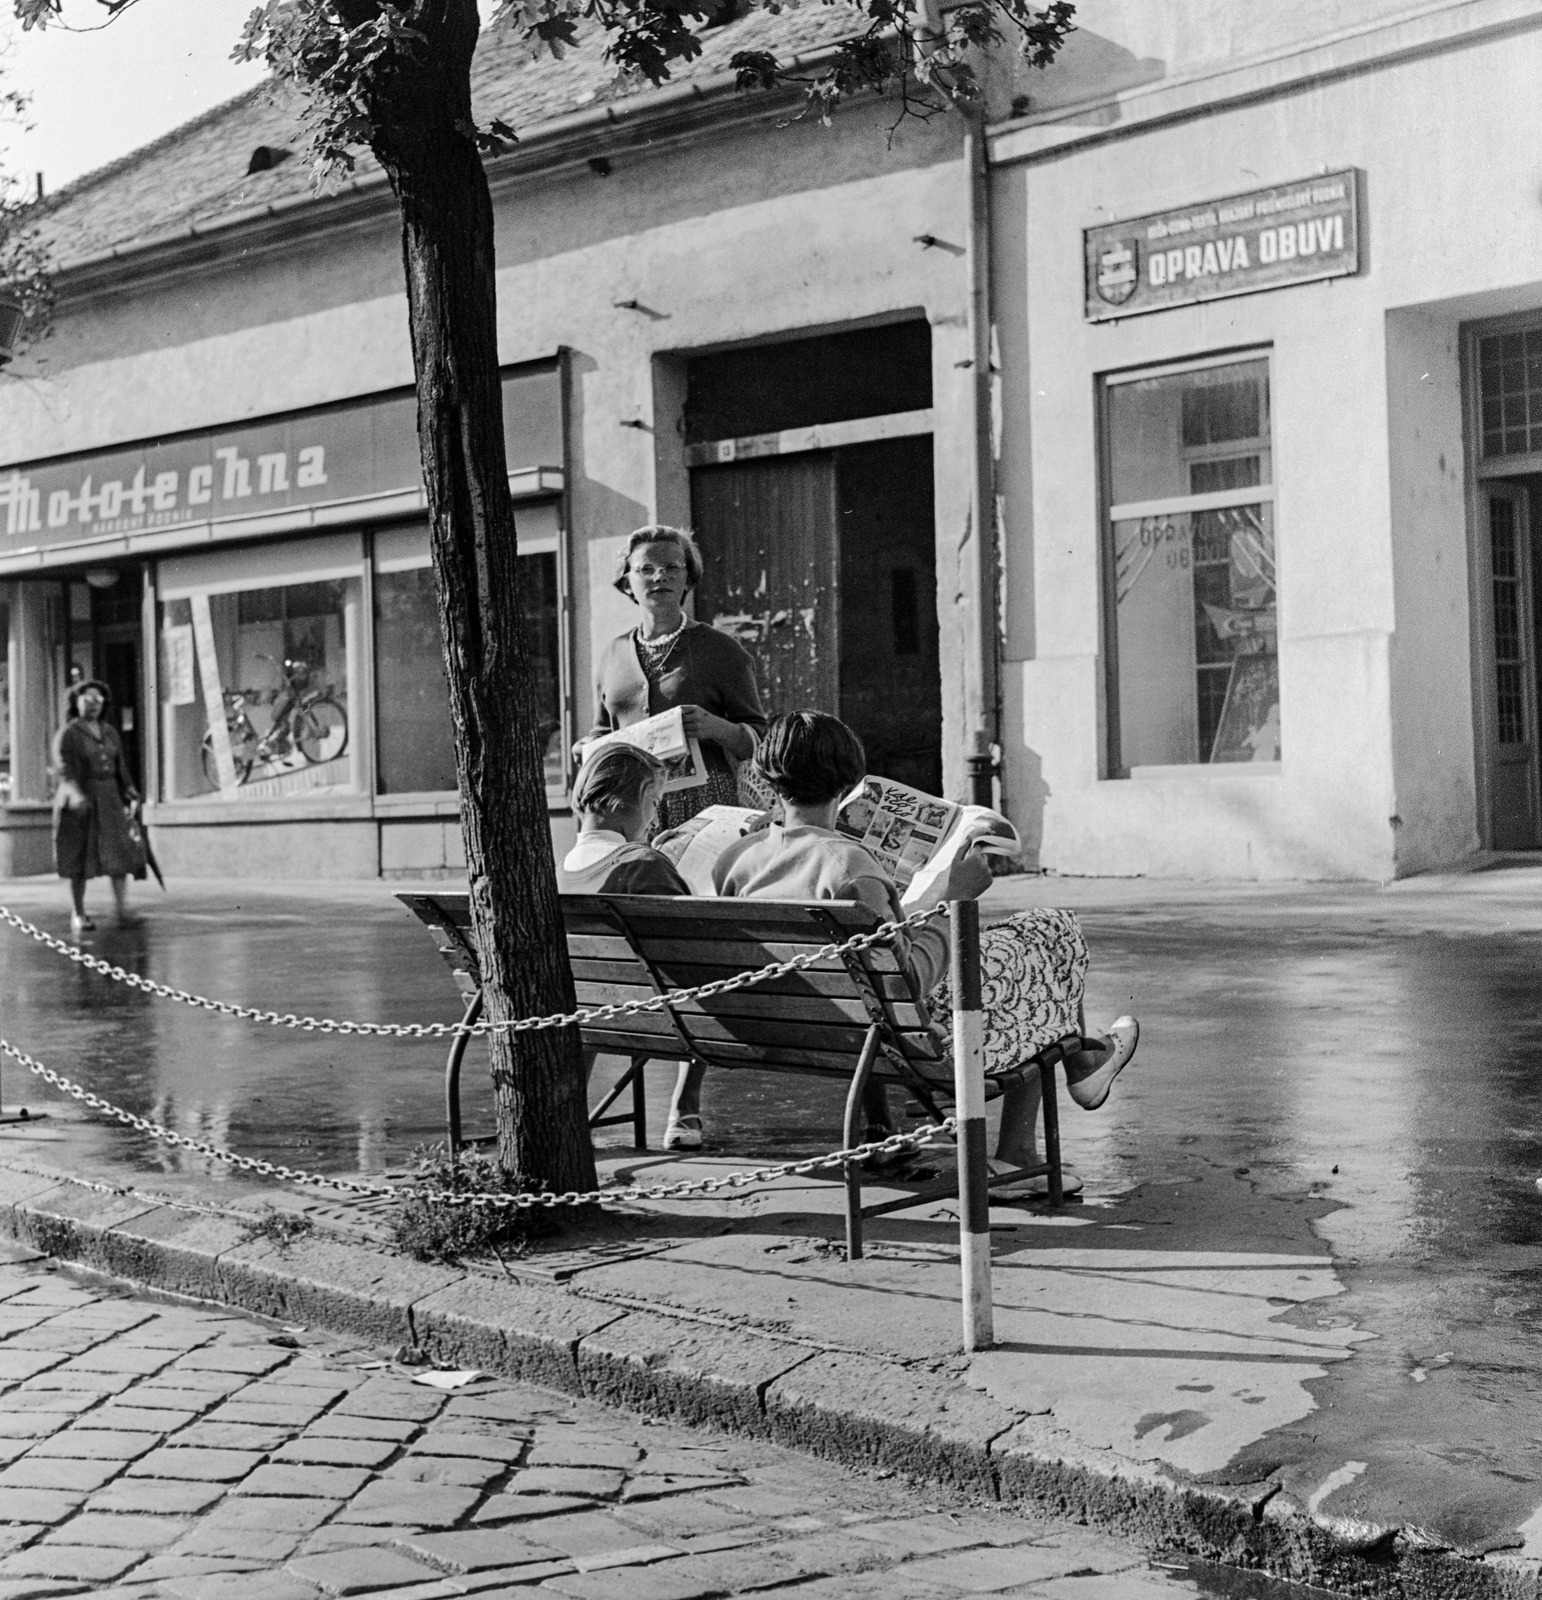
point(770, 541)
point(1510, 669)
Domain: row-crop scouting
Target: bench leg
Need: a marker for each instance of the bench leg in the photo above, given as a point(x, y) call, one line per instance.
point(639, 1103)
point(1051, 1109)
point(850, 1134)
point(452, 1074)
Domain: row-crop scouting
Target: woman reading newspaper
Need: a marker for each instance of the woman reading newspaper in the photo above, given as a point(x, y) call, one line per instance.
point(668, 661)
point(616, 799)
point(1030, 965)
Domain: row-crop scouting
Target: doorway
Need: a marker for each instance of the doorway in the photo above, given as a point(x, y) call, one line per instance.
point(1509, 510)
point(115, 625)
point(823, 565)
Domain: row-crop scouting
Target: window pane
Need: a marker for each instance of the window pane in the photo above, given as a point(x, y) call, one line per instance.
point(275, 661)
point(538, 597)
point(5, 703)
point(1160, 429)
point(416, 741)
point(1195, 601)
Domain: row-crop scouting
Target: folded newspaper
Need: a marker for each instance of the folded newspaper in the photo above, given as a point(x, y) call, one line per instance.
point(663, 736)
point(914, 837)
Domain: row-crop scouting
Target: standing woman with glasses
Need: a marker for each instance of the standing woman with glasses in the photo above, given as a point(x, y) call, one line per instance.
point(668, 661)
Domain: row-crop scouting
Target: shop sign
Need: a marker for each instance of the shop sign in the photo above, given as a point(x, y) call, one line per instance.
point(286, 464)
point(1292, 233)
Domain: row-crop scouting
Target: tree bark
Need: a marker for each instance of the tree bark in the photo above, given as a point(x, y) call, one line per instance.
point(421, 117)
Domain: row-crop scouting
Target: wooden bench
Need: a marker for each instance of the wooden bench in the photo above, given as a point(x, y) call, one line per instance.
point(855, 1018)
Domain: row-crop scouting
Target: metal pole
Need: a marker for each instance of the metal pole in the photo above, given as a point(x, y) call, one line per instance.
point(974, 1234)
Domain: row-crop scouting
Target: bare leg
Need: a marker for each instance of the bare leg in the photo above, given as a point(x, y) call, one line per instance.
point(78, 895)
point(875, 1106)
point(687, 1096)
point(1018, 1140)
point(120, 895)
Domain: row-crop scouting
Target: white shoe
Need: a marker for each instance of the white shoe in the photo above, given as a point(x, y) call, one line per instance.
point(1089, 1089)
point(683, 1133)
point(1030, 1188)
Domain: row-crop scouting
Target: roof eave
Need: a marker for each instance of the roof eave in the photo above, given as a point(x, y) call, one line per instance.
point(673, 112)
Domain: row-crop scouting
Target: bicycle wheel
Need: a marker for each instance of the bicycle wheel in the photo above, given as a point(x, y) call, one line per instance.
point(321, 730)
point(243, 751)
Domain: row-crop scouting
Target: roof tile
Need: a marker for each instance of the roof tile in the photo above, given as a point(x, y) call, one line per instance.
point(195, 177)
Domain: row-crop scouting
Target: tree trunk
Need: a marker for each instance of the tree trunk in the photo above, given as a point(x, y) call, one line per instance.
point(421, 115)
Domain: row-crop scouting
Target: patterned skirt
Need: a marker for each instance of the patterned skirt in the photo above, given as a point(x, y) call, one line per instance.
point(720, 789)
point(1033, 969)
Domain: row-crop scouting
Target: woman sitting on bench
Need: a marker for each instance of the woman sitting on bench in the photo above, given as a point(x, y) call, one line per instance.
point(616, 799)
point(812, 761)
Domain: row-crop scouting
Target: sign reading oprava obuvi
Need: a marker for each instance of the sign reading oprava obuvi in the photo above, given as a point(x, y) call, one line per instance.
point(1263, 239)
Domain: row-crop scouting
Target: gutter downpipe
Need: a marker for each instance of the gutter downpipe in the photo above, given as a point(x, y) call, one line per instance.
point(982, 761)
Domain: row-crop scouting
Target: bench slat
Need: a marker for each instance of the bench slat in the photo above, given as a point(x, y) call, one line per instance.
point(694, 910)
point(632, 971)
point(607, 946)
point(740, 955)
point(626, 1043)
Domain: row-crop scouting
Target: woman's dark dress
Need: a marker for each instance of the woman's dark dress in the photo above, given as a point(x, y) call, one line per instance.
point(703, 667)
point(94, 841)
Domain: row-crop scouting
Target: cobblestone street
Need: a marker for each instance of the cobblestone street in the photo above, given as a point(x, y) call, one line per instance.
point(165, 1450)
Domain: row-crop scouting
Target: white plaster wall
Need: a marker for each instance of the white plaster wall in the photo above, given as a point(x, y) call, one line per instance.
point(753, 232)
point(1369, 468)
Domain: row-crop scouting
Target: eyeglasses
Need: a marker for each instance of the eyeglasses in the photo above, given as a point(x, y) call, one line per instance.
point(650, 571)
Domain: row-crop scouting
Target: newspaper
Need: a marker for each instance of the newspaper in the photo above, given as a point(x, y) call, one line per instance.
point(663, 736)
point(695, 845)
point(915, 837)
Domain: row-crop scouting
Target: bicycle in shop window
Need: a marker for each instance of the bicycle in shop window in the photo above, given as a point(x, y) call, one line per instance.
point(307, 722)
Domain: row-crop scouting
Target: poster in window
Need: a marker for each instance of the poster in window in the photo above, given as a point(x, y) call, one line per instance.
point(181, 687)
point(1250, 715)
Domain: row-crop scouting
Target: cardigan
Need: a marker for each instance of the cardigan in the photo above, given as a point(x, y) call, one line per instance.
point(705, 668)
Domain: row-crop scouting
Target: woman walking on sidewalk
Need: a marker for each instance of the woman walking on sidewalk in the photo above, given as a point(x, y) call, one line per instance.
point(92, 805)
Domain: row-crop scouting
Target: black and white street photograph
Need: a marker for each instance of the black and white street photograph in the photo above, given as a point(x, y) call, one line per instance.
point(770, 800)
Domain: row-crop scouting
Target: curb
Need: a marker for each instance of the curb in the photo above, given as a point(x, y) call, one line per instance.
point(853, 1409)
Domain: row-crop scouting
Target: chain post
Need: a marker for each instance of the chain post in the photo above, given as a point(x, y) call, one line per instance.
point(974, 1228)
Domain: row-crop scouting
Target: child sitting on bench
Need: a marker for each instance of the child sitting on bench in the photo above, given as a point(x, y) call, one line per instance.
point(812, 761)
point(616, 799)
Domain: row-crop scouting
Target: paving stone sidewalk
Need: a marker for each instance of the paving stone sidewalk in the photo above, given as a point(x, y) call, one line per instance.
point(153, 1450)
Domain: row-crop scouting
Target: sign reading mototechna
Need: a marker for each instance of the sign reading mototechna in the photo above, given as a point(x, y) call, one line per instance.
point(1291, 233)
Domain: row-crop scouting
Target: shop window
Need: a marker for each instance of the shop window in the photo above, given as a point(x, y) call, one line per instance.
point(5, 701)
point(414, 738)
point(1193, 608)
point(257, 675)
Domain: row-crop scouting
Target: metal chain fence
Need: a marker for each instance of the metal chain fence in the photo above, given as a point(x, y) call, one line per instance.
point(695, 1188)
point(440, 1030)
point(687, 1189)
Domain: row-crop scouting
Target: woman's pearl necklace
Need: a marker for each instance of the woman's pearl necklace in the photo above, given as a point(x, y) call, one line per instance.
point(664, 641)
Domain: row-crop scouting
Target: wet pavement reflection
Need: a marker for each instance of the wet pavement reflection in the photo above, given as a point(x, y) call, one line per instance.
point(326, 1102)
point(1348, 1064)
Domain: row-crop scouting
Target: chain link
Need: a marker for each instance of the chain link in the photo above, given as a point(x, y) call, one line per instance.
point(440, 1030)
point(694, 1188)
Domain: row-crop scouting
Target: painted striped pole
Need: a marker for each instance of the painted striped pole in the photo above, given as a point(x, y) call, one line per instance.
point(974, 1233)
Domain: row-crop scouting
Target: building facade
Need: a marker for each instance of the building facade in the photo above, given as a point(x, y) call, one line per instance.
point(1231, 321)
point(1270, 280)
point(211, 496)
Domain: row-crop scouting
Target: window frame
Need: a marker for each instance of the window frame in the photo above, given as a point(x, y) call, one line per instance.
point(1111, 513)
